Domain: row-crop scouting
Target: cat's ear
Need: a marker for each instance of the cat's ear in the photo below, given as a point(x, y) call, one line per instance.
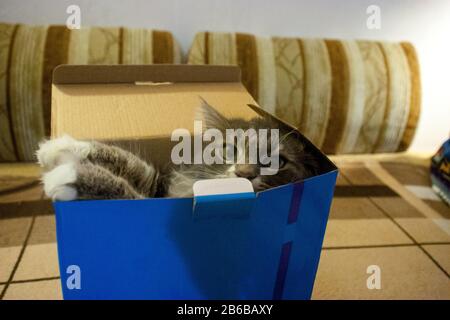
point(266, 115)
point(211, 118)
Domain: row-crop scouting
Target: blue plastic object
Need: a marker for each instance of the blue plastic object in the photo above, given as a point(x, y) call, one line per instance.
point(440, 172)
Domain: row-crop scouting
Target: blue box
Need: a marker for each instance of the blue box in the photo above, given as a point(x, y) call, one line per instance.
point(260, 246)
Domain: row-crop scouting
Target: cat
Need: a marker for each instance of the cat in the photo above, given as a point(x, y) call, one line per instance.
point(86, 170)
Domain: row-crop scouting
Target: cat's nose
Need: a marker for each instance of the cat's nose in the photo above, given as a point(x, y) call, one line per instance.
point(246, 172)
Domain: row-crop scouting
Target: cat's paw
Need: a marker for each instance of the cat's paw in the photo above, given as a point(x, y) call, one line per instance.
point(58, 183)
point(52, 153)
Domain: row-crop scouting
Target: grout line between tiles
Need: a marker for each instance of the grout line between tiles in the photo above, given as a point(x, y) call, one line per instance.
point(434, 243)
point(405, 232)
point(434, 260)
point(383, 246)
point(19, 258)
point(34, 280)
point(371, 246)
point(411, 237)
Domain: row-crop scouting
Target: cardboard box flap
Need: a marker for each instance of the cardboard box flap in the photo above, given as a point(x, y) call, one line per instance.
point(117, 103)
point(89, 74)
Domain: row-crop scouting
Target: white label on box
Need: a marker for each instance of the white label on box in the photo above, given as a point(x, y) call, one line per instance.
point(222, 186)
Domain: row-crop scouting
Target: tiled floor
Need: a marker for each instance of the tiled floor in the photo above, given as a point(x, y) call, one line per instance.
point(370, 224)
point(406, 273)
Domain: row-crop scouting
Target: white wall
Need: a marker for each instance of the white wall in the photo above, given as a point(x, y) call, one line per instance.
point(425, 23)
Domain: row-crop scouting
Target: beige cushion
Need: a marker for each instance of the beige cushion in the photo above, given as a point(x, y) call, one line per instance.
point(28, 56)
point(346, 96)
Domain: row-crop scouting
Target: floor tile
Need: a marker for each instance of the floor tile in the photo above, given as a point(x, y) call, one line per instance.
point(44, 230)
point(441, 253)
point(342, 181)
point(363, 232)
point(440, 207)
point(38, 261)
point(406, 273)
point(397, 207)
point(36, 290)
point(423, 192)
point(408, 174)
point(8, 258)
point(360, 191)
point(443, 224)
point(13, 231)
point(10, 210)
point(423, 230)
point(359, 176)
point(354, 208)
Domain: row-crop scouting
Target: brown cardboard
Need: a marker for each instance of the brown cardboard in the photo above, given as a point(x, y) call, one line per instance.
point(79, 74)
point(129, 111)
point(105, 103)
point(121, 111)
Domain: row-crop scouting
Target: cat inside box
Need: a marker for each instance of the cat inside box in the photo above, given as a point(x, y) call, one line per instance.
point(87, 170)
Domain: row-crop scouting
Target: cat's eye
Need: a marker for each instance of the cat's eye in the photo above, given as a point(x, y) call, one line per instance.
point(282, 161)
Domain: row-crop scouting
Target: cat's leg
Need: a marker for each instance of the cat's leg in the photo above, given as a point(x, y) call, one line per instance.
point(52, 153)
point(139, 174)
point(72, 180)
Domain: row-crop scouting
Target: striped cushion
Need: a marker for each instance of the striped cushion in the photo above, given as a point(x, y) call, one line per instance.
point(28, 55)
point(345, 96)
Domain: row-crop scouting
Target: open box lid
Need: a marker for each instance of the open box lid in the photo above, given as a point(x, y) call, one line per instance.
point(140, 101)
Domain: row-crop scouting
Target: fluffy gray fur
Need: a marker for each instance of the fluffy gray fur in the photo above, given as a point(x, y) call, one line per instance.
point(92, 170)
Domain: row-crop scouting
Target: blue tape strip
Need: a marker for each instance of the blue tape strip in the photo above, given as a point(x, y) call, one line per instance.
point(294, 211)
point(282, 271)
point(295, 203)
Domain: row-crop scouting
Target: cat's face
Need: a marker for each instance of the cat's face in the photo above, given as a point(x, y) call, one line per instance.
point(294, 162)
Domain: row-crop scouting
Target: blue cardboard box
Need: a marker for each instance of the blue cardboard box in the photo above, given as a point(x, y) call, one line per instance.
point(262, 245)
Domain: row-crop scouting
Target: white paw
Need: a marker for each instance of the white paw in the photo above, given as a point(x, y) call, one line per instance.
point(60, 150)
point(57, 182)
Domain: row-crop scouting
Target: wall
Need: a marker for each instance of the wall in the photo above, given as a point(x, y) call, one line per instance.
point(425, 23)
